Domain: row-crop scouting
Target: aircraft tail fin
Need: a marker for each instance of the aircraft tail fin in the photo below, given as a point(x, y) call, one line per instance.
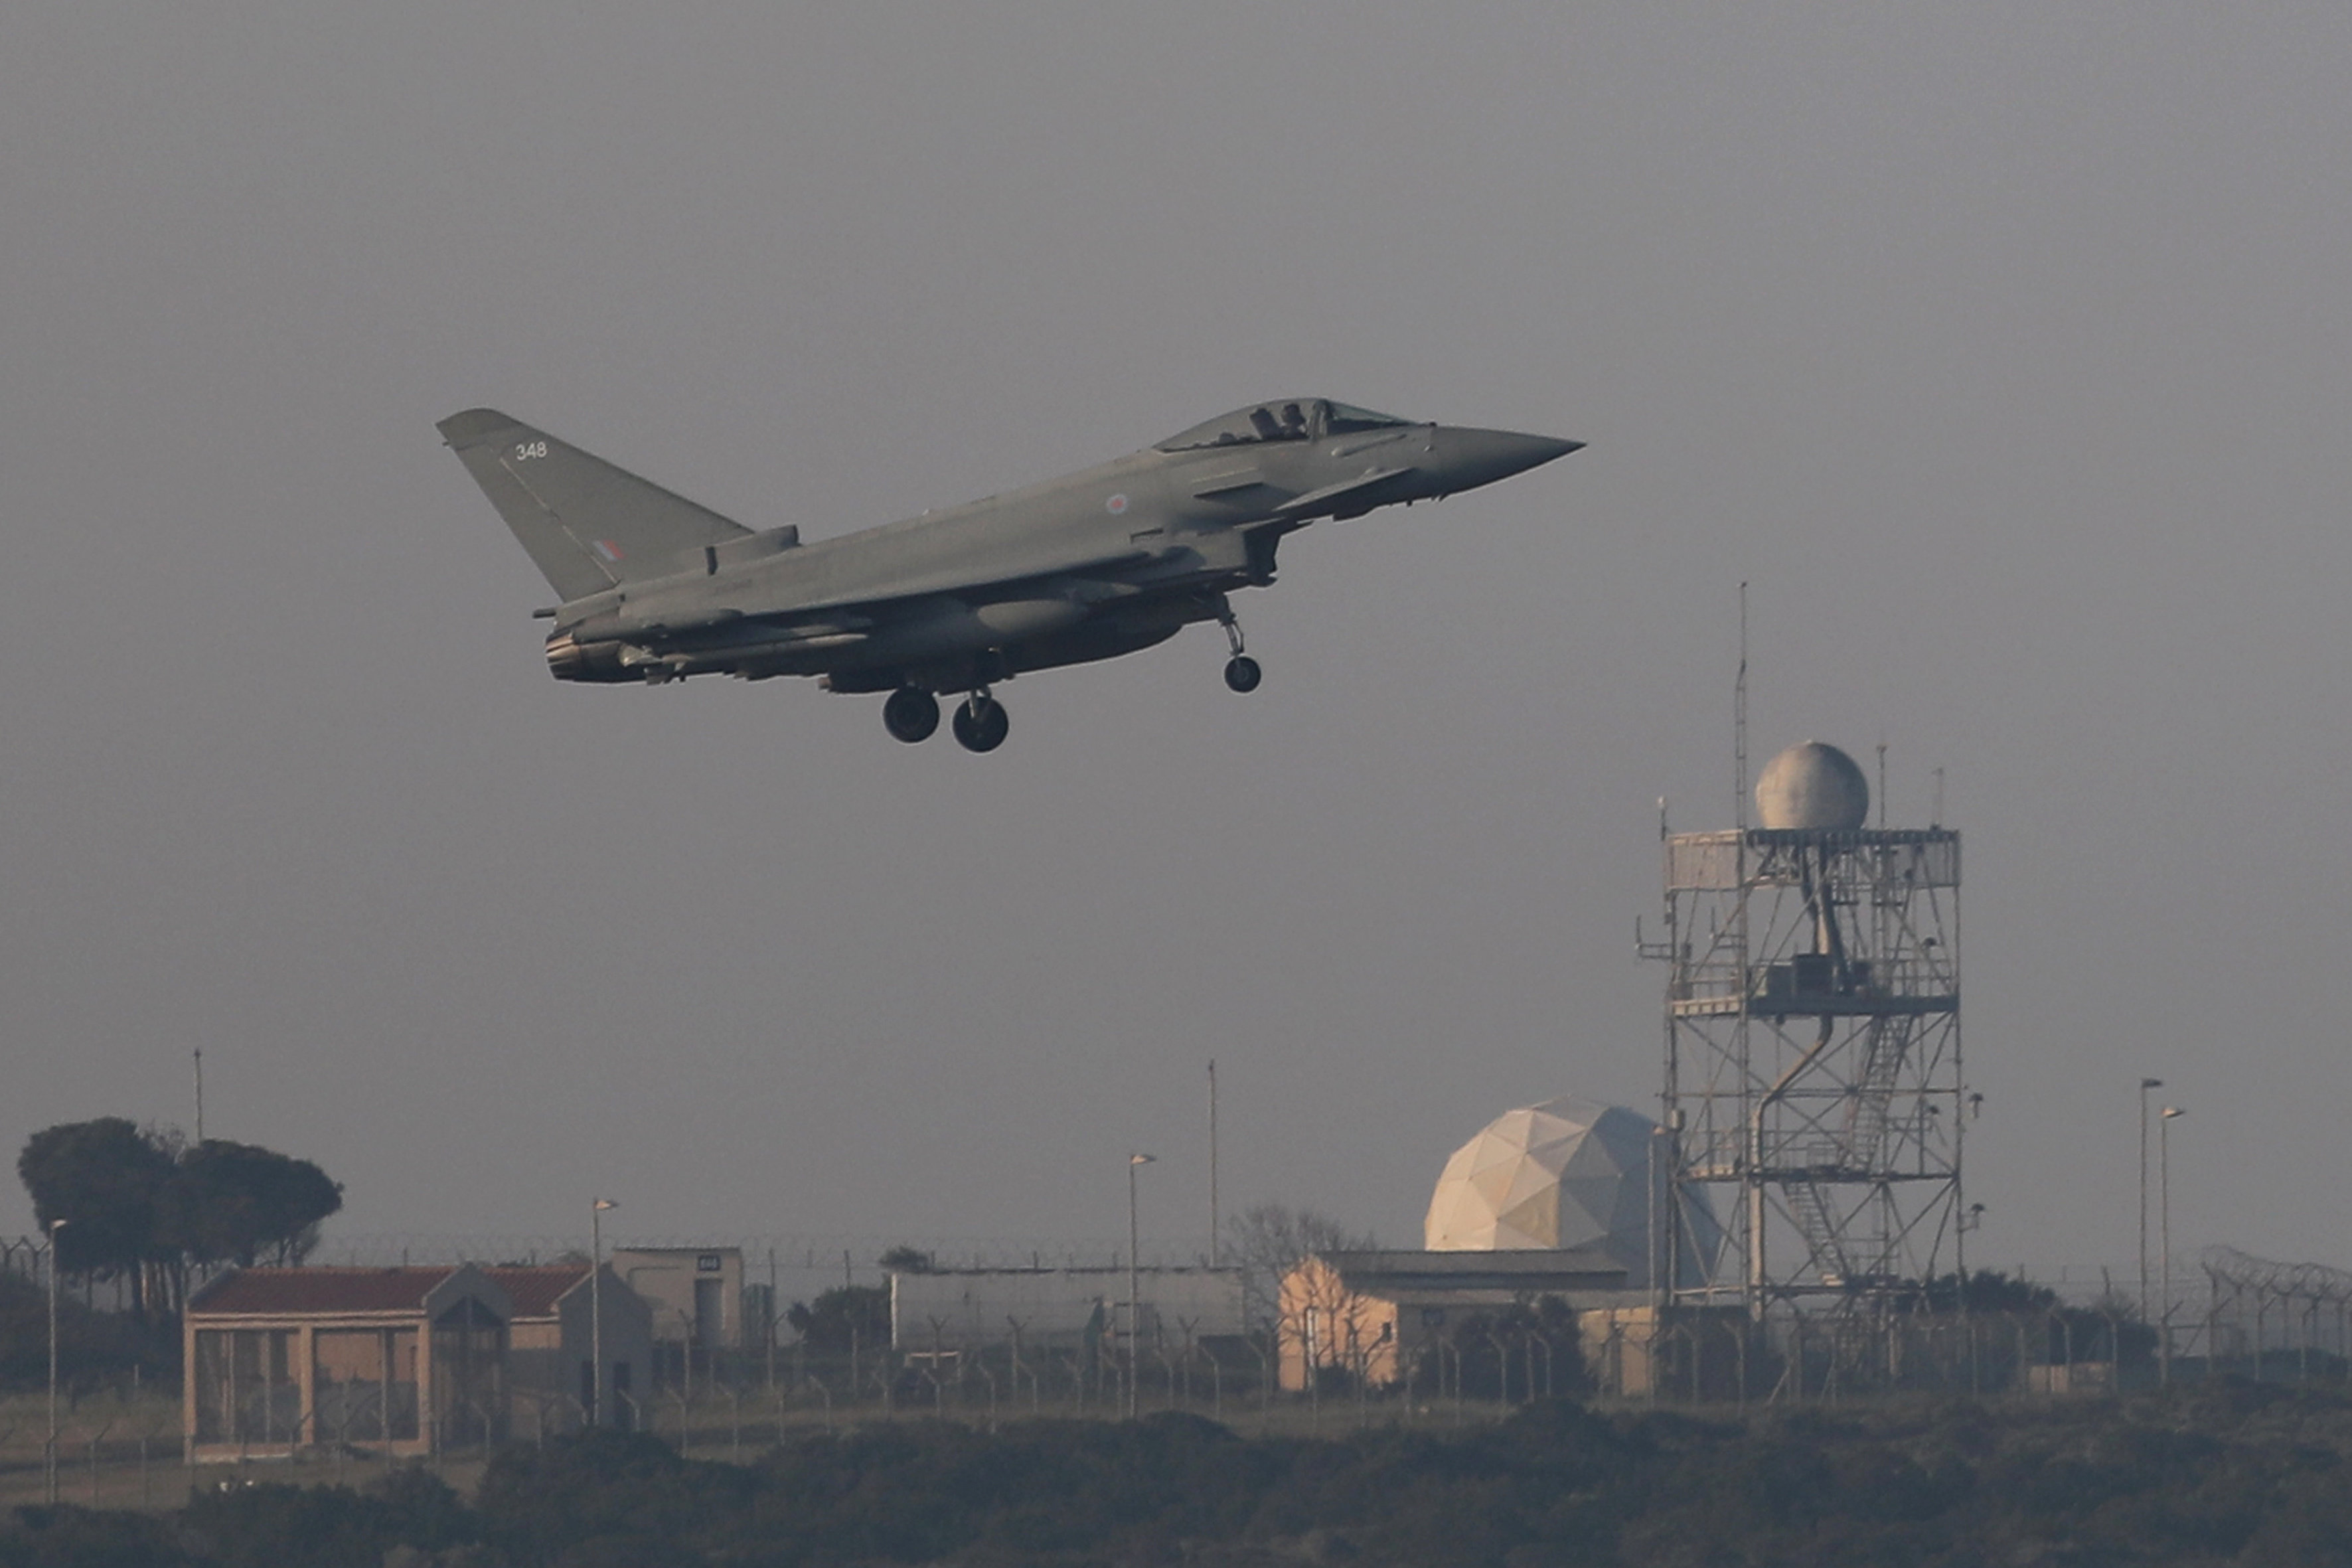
point(585, 524)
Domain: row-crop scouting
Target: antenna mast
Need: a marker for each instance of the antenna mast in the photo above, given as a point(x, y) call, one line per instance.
point(1213, 1162)
point(1739, 720)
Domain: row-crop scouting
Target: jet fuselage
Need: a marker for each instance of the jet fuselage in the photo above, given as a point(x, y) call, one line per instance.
point(1087, 566)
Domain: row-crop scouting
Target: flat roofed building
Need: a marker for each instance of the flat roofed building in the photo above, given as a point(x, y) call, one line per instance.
point(695, 1292)
point(1371, 1313)
point(971, 1308)
point(402, 1360)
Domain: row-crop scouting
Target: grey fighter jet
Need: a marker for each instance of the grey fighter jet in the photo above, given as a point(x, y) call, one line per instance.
point(1098, 563)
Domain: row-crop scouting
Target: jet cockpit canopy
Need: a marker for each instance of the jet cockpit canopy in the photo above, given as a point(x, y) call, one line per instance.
point(1285, 419)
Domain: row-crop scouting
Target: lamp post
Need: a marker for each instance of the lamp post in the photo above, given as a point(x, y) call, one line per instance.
point(50, 1454)
point(596, 1309)
point(2164, 1185)
point(2145, 1084)
point(1134, 1288)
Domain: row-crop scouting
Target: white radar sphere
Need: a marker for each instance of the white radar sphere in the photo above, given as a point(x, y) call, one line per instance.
point(1567, 1174)
point(1812, 786)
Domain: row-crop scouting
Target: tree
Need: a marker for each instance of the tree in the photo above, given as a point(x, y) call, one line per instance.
point(138, 1199)
point(1497, 1354)
point(239, 1202)
point(106, 1180)
point(1267, 1241)
point(829, 1322)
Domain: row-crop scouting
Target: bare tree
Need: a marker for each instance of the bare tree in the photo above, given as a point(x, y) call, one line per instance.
point(1267, 1241)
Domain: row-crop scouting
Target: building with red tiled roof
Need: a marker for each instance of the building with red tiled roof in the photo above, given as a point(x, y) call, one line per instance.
point(402, 1361)
point(550, 1339)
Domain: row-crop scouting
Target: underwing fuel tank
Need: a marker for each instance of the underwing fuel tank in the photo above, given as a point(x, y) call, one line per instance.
point(951, 626)
point(948, 629)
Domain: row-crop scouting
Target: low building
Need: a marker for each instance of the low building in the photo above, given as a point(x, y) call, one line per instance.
point(696, 1293)
point(551, 1347)
point(397, 1360)
point(404, 1361)
point(1374, 1314)
point(1059, 1309)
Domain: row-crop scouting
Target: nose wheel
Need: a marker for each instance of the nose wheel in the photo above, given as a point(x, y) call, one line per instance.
point(1241, 671)
point(981, 723)
point(910, 714)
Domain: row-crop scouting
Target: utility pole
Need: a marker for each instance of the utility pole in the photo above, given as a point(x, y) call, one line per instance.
point(1134, 1288)
point(2163, 1182)
point(50, 1454)
point(596, 1307)
point(2145, 1084)
point(1213, 1162)
point(200, 1098)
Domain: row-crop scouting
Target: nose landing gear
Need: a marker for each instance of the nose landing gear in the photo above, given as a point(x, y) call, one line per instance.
point(981, 723)
point(1241, 671)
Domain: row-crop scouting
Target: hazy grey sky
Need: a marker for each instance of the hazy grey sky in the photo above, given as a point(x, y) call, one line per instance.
point(2003, 347)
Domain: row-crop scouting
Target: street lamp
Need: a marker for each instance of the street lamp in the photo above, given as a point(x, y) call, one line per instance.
point(596, 1309)
point(2164, 1185)
point(50, 1455)
point(1134, 1291)
point(2145, 1084)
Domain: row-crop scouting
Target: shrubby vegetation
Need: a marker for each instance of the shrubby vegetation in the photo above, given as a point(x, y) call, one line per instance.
point(2219, 1473)
point(843, 1318)
point(111, 1346)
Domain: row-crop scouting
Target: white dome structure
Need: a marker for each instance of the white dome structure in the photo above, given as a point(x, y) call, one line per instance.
point(1812, 786)
point(1568, 1172)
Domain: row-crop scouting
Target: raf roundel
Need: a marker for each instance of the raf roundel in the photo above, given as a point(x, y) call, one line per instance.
point(1117, 505)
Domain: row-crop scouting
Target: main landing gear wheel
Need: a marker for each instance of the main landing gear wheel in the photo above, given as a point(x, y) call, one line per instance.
point(981, 723)
point(910, 714)
point(1242, 673)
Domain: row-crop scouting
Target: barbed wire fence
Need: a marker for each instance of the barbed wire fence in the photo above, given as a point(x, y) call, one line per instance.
point(2257, 1319)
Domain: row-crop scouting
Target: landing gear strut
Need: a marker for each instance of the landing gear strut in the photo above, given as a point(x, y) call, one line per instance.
point(1241, 671)
point(910, 714)
point(981, 723)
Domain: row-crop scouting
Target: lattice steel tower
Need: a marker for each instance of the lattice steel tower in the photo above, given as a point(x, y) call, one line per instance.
point(1812, 1044)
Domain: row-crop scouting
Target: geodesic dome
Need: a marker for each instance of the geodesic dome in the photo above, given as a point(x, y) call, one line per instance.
point(1567, 1172)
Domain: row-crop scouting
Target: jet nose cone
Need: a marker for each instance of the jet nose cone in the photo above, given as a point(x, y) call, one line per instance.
point(1472, 457)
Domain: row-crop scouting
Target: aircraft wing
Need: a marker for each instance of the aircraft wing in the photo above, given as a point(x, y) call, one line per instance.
point(846, 613)
point(996, 572)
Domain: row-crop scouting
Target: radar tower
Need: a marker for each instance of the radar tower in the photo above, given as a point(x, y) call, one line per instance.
point(1813, 1046)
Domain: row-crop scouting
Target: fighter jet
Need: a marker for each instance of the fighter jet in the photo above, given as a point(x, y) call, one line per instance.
point(1100, 562)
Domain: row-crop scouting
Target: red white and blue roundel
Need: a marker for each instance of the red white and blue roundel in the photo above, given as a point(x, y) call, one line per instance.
point(1117, 504)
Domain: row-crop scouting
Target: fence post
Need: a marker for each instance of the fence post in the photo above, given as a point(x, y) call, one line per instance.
point(95, 1440)
point(988, 1377)
point(1020, 1365)
point(1168, 1368)
point(1740, 1333)
point(1265, 1381)
point(825, 1394)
